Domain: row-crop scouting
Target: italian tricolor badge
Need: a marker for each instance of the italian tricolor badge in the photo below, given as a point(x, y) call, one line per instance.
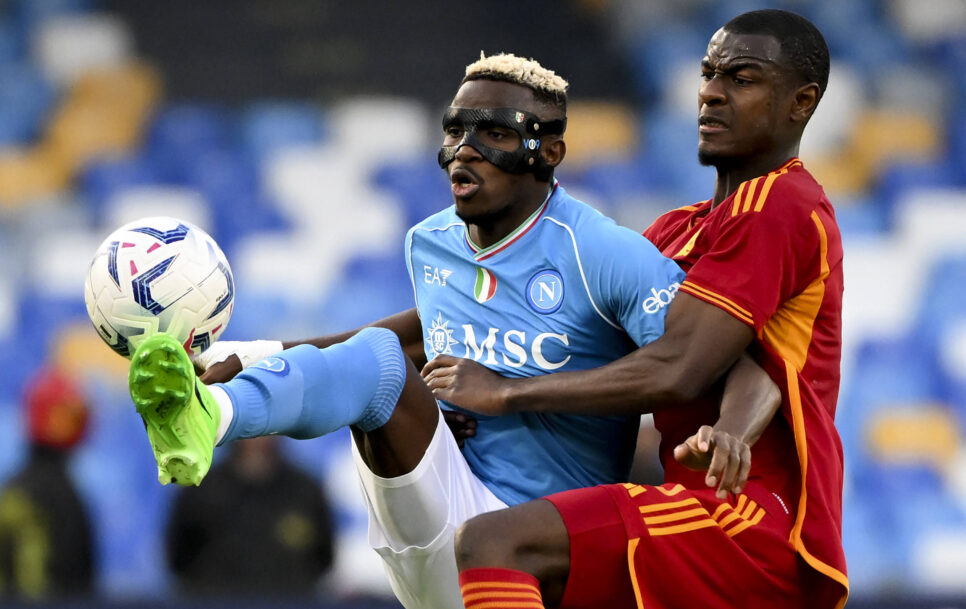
point(485, 286)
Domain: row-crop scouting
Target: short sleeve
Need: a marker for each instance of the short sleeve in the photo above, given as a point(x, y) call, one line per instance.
point(758, 258)
point(634, 283)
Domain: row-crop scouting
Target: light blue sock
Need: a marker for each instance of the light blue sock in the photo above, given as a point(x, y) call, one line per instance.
point(306, 392)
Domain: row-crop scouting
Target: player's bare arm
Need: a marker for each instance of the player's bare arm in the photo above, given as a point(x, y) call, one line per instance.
point(643, 382)
point(701, 342)
point(750, 401)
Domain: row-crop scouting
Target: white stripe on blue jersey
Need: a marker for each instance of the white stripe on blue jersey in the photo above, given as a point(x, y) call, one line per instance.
point(574, 291)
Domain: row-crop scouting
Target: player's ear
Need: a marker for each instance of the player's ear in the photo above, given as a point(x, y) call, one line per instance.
point(553, 151)
point(804, 102)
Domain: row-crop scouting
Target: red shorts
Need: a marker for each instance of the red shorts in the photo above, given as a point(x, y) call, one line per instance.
point(664, 547)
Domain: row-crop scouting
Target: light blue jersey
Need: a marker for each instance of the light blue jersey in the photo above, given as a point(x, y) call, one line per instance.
point(567, 290)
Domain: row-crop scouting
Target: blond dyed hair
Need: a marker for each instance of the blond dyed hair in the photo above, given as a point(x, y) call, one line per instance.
point(546, 84)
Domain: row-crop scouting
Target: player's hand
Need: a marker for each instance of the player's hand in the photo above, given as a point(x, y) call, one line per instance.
point(221, 361)
point(221, 372)
point(461, 425)
point(725, 457)
point(465, 383)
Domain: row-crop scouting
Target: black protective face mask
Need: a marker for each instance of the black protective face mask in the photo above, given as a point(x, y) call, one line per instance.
point(526, 158)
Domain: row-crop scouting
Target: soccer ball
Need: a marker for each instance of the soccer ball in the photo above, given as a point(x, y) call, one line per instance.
point(159, 274)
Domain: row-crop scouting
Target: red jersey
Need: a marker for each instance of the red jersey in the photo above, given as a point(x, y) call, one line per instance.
point(771, 256)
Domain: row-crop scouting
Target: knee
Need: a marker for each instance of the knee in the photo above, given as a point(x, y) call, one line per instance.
point(528, 537)
point(475, 544)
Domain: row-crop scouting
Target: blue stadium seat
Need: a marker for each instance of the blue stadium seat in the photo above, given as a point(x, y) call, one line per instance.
point(117, 477)
point(103, 179)
point(421, 186)
point(904, 501)
point(370, 288)
point(943, 299)
point(13, 42)
point(616, 181)
point(266, 127)
point(26, 98)
point(656, 52)
point(28, 13)
point(873, 559)
point(230, 182)
point(860, 217)
point(671, 148)
point(900, 178)
point(258, 315)
point(886, 372)
point(40, 318)
point(13, 442)
point(181, 134)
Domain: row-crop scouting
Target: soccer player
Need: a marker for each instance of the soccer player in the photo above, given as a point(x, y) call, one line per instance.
point(517, 275)
point(764, 271)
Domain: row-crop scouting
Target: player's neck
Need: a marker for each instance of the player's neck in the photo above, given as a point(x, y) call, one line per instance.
point(730, 176)
point(487, 231)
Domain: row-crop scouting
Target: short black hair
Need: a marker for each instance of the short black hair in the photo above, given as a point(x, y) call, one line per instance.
point(803, 46)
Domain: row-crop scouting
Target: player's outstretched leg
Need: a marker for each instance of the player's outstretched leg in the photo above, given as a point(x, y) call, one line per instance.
point(179, 412)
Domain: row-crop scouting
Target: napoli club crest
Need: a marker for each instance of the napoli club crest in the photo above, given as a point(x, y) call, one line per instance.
point(545, 291)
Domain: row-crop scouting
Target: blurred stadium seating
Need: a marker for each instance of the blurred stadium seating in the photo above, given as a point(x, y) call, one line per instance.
point(310, 200)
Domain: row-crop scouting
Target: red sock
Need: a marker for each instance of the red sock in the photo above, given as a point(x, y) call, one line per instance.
point(500, 589)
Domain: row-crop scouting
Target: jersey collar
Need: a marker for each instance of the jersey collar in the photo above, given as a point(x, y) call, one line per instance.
point(487, 252)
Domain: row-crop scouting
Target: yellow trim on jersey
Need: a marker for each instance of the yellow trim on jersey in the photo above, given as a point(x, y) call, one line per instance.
point(532, 593)
point(748, 510)
point(632, 567)
point(649, 520)
point(475, 585)
point(716, 299)
point(745, 195)
point(795, 538)
point(674, 490)
point(733, 515)
point(684, 251)
point(509, 605)
point(682, 528)
point(736, 203)
point(760, 201)
point(658, 507)
point(789, 330)
point(748, 522)
point(634, 489)
point(750, 196)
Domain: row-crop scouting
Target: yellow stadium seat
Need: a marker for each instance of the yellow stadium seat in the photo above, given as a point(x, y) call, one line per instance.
point(80, 352)
point(883, 136)
point(29, 174)
point(104, 114)
point(600, 131)
point(921, 433)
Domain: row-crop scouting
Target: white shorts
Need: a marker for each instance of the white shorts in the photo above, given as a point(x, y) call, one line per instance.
point(413, 519)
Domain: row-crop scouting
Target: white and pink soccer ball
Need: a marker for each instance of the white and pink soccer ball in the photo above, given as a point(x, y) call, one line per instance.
point(159, 274)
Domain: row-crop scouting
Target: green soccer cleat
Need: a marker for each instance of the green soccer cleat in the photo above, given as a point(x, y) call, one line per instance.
point(179, 412)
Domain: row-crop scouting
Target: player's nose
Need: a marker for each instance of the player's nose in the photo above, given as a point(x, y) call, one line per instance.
point(466, 153)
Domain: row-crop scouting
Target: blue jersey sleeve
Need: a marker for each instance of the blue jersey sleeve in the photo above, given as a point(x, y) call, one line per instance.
point(631, 279)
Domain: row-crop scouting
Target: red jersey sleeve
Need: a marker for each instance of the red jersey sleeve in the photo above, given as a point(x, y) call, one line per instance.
point(763, 248)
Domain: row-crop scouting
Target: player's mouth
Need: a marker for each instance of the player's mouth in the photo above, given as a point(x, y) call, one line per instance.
point(465, 183)
point(708, 124)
